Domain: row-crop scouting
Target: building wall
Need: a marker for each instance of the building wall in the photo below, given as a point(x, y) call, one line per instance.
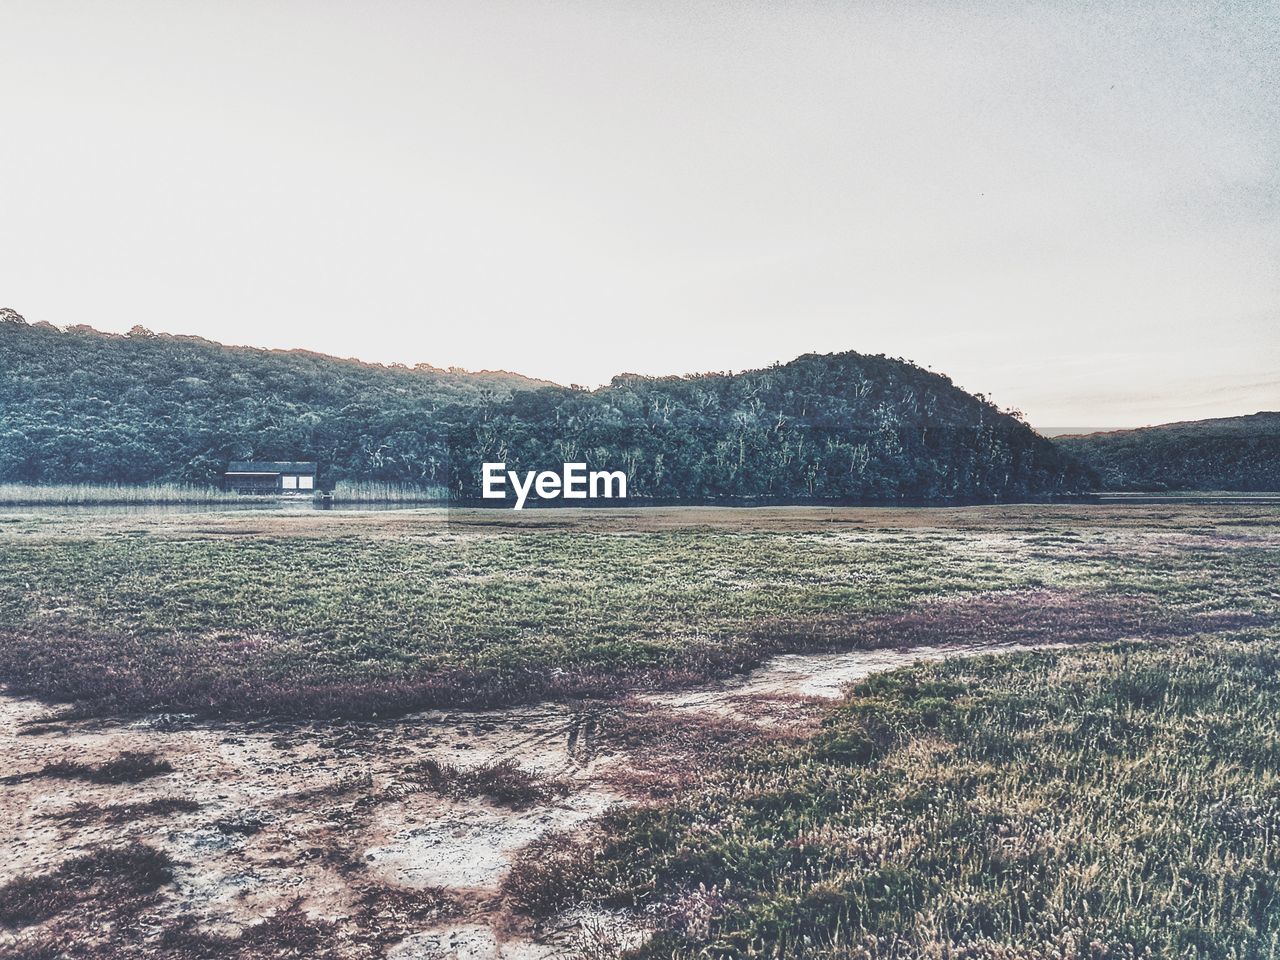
point(271, 484)
point(253, 484)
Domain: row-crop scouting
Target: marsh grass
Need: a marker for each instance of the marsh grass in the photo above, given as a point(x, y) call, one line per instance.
point(330, 616)
point(1115, 802)
point(1121, 802)
point(233, 678)
point(667, 751)
point(351, 491)
point(563, 869)
point(110, 494)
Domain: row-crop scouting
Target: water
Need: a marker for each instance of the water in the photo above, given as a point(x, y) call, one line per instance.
point(308, 505)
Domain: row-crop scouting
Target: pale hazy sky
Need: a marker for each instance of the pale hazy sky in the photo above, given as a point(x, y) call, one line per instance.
point(1072, 207)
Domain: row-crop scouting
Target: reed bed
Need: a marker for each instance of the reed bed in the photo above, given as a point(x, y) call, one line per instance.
point(110, 494)
point(148, 494)
point(352, 491)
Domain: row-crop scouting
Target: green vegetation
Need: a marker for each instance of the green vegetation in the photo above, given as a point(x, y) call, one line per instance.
point(1117, 800)
point(78, 406)
point(110, 494)
point(323, 614)
point(1120, 802)
point(178, 494)
point(1234, 453)
point(355, 491)
point(200, 622)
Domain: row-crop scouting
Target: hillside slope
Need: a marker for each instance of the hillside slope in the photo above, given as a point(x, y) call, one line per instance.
point(80, 406)
point(1232, 453)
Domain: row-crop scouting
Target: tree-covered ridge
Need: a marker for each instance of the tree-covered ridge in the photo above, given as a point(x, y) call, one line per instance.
point(826, 426)
point(83, 406)
point(1232, 453)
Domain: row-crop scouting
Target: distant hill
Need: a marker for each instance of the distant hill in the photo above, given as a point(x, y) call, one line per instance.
point(79, 406)
point(1233, 453)
point(1073, 431)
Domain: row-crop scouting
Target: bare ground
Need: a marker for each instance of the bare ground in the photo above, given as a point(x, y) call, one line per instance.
point(325, 813)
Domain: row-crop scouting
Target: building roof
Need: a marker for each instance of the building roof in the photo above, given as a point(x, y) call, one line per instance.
point(272, 466)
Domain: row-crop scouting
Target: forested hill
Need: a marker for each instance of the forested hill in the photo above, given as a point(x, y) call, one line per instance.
point(80, 406)
point(1233, 453)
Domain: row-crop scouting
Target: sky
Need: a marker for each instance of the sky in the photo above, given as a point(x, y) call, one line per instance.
point(1073, 208)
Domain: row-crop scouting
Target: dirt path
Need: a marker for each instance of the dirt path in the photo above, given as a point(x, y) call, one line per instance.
point(256, 817)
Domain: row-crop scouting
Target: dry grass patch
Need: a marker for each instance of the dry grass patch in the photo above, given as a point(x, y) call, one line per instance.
point(503, 782)
point(108, 882)
point(131, 766)
point(86, 813)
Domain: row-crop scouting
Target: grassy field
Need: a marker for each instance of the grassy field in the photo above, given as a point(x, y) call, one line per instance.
point(1118, 802)
point(1115, 798)
point(352, 614)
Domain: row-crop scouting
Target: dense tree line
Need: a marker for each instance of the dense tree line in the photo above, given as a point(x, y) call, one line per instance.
point(1233, 453)
point(77, 405)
